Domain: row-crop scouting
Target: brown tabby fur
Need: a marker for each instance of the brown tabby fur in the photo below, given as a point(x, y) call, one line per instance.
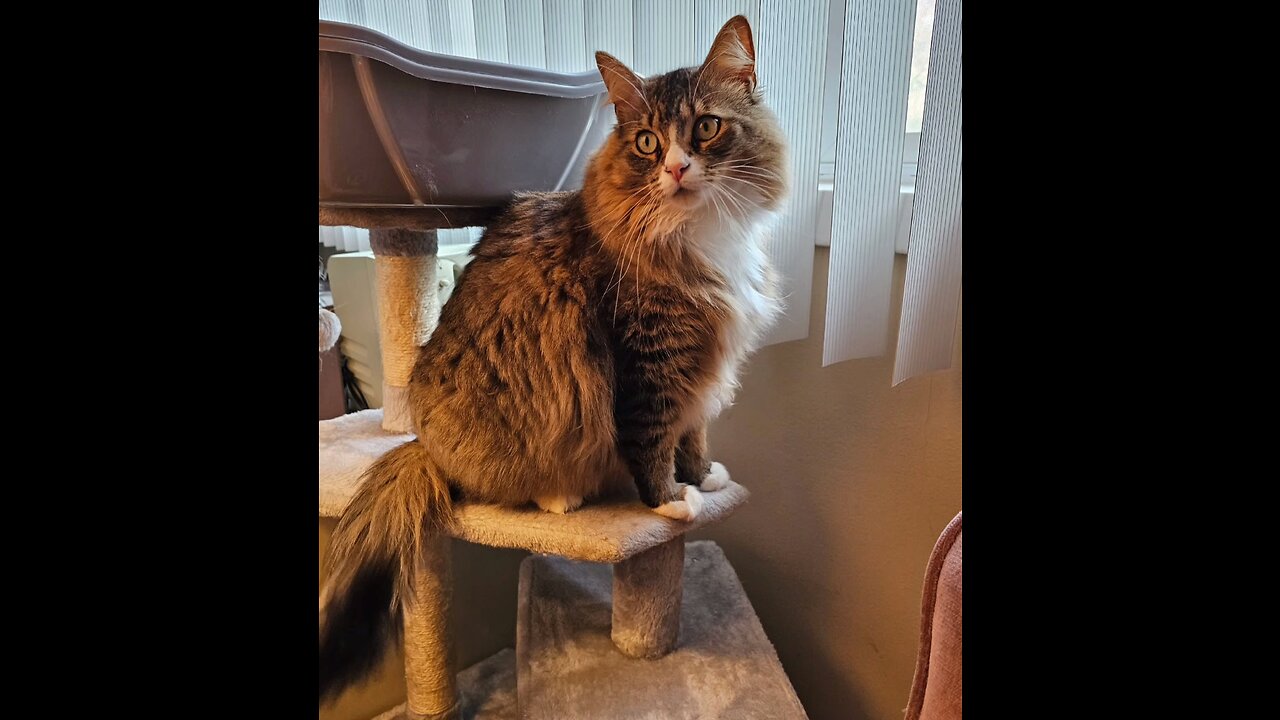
point(586, 340)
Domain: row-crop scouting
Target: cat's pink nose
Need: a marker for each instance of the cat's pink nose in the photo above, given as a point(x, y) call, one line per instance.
point(677, 170)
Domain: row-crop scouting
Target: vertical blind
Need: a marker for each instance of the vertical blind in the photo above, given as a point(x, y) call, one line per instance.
point(651, 36)
point(874, 82)
point(874, 73)
point(931, 297)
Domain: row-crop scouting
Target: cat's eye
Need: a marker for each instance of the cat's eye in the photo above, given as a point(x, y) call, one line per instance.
point(647, 142)
point(708, 127)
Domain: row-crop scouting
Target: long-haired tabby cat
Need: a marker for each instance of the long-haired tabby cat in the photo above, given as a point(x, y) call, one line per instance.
point(590, 340)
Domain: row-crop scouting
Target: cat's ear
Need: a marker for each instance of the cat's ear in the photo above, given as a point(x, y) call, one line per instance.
point(624, 87)
point(733, 54)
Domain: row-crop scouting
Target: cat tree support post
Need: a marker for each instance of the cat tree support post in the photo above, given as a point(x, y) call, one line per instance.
point(647, 589)
point(408, 310)
point(429, 673)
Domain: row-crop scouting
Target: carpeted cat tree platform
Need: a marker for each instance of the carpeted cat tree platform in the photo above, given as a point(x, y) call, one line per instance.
point(666, 632)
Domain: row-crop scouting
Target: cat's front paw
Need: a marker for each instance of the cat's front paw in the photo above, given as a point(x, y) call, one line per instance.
point(687, 509)
point(559, 504)
point(717, 477)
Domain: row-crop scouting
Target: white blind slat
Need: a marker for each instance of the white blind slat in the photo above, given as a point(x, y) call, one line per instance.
point(931, 296)
point(526, 42)
point(354, 12)
point(664, 36)
point(565, 29)
point(711, 15)
point(874, 76)
point(376, 16)
point(432, 26)
point(790, 61)
point(333, 10)
point(462, 27)
point(491, 29)
point(609, 28)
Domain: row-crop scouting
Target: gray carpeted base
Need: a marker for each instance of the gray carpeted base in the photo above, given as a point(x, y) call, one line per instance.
point(568, 668)
point(488, 690)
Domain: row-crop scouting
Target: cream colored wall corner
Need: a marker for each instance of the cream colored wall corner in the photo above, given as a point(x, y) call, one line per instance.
point(851, 482)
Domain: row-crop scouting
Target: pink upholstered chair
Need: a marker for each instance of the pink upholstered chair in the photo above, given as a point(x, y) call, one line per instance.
point(936, 691)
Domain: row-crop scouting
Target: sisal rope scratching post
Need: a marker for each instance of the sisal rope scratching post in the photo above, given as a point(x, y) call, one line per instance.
point(408, 310)
point(430, 679)
point(647, 589)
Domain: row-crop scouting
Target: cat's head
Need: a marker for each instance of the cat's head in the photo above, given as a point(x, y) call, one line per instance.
point(695, 142)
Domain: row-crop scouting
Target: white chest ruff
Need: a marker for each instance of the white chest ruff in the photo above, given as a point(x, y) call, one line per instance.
point(751, 296)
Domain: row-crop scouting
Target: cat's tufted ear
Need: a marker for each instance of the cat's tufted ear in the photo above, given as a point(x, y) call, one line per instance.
point(733, 54)
point(624, 87)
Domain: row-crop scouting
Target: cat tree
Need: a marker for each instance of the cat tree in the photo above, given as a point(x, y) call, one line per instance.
point(577, 612)
point(611, 592)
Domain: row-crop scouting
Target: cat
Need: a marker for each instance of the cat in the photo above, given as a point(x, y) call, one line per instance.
point(590, 340)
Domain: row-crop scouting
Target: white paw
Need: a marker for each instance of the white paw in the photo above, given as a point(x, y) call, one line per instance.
point(716, 478)
point(686, 509)
point(559, 504)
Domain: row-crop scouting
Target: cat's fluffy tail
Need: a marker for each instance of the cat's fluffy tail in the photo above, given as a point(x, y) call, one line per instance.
point(402, 497)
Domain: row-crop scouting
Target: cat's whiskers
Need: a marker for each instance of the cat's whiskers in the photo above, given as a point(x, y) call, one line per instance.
point(743, 203)
point(740, 174)
point(633, 237)
point(715, 198)
point(737, 160)
point(618, 212)
point(633, 240)
point(738, 200)
point(640, 201)
point(764, 192)
point(746, 181)
point(729, 219)
point(653, 253)
point(604, 235)
point(743, 166)
point(753, 171)
point(617, 267)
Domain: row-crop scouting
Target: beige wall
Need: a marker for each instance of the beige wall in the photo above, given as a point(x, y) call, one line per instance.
point(851, 482)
